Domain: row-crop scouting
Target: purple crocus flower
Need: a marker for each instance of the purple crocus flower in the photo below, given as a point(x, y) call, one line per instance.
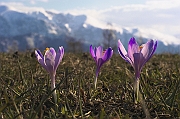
point(100, 58)
point(137, 56)
point(50, 62)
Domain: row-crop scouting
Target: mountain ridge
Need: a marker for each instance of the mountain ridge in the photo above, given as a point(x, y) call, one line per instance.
point(40, 29)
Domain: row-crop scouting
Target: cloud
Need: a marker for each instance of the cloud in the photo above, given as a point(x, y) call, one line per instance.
point(18, 6)
point(162, 4)
point(161, 15)
point(35, 1)
point(32, 2)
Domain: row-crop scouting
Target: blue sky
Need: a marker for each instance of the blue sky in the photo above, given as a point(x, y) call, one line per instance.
point(62, 5)
point(159, 15)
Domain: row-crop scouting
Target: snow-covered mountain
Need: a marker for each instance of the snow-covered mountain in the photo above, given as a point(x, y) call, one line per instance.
point(21, 30)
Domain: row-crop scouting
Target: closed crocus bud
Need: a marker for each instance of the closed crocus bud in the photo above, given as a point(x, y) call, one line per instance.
point(100, 57)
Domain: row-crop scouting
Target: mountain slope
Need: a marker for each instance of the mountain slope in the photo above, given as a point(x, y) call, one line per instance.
point(39, 29)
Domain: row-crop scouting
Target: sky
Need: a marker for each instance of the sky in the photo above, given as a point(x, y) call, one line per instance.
point(63, 5)
point(160, 15)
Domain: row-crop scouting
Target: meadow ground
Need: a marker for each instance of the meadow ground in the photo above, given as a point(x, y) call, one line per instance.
point(25, 91)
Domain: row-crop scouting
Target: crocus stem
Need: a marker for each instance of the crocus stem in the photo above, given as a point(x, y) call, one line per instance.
point(95, 82)
point(52, 87)
point(136, 89)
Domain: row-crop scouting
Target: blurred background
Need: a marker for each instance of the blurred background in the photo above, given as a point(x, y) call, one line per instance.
point(76, 24)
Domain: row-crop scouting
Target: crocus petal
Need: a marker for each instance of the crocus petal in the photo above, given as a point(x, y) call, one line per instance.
point(147, 51)
point(40, 59)
point(108, 54)
point(133, 47)
point(136, 66)
point(154, 49)
point(59, 56)
point(49, 60)
point(99, 52)
point(53, 52)
point(92, 53)
point(123, 53)
point(122, 50)
point(100, 62)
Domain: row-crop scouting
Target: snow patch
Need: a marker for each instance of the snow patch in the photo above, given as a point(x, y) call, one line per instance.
point(52, 30)
point(85, 25)
point(30, 42)
point(67, 26)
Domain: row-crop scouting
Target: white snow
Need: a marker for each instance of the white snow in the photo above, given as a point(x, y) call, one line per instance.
point(67, 26)
point(52, 30)
point(85, 25)
point(74, 24)
point(30, 42)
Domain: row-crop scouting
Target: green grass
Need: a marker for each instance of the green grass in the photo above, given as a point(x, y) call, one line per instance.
point(25, 91)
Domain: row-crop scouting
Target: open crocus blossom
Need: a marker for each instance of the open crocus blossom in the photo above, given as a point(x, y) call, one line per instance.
point(137, 56)
point(100, 58)
point(50, 62)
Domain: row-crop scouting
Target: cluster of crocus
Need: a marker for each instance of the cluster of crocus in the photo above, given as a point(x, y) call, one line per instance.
point(100, 58)
point(137, 56)
point(50, 62)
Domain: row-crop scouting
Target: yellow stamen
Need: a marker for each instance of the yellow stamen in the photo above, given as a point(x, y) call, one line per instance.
point(46, 49)
point(140, 47)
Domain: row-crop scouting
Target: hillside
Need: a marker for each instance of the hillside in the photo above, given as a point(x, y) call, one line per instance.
point(39, 29)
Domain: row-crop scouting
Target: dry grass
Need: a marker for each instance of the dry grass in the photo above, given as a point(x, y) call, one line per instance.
point(25, 88)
